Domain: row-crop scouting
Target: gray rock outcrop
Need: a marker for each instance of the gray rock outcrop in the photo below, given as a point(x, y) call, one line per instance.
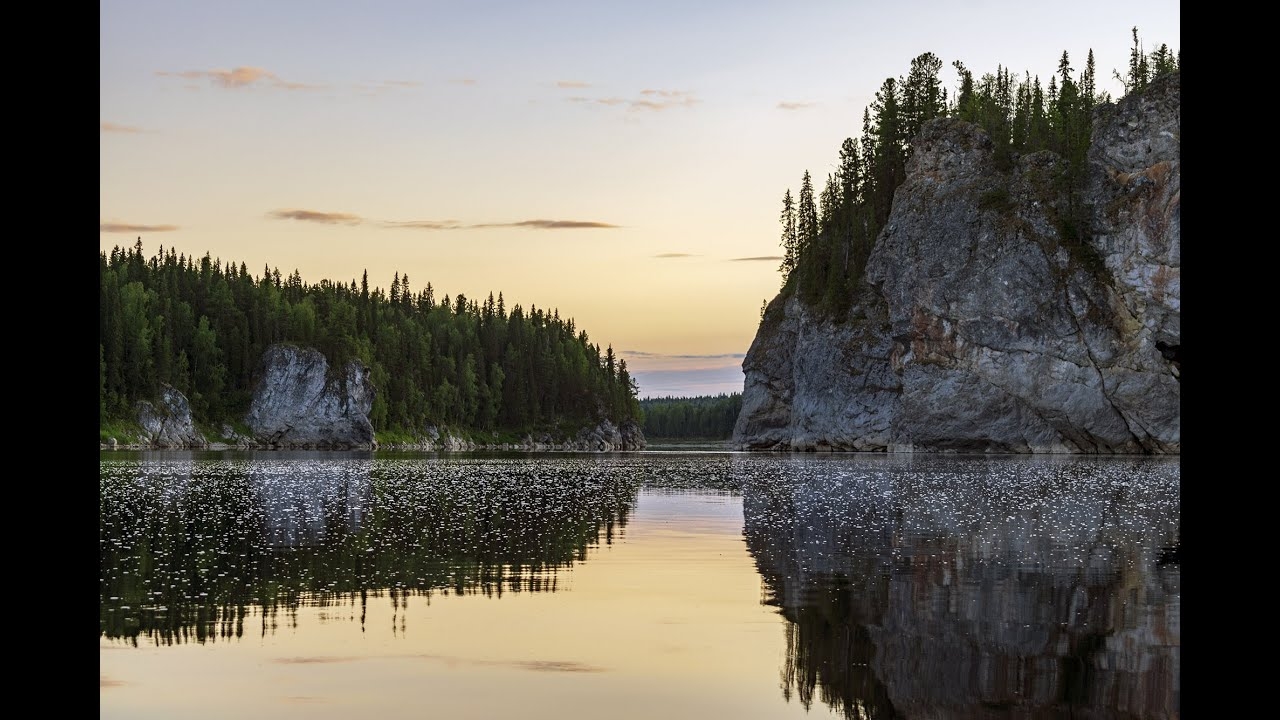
point(607, 437)
point(167, 423)
point(299, 403)
point(981, 323)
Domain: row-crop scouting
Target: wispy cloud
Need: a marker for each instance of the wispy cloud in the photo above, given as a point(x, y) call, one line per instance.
point(785, 105)
point(119, 227)
point(757, 257)
point(527, 224)
point(342, 218)
point(385, 86)
point(426, 225)
point(664, 356)
point(597, 101)
point(316, 216)
point(663, 99)
point(649, 99)
point(118, 128)
point(550, 225)
point(241, 77)
point(464, 81)
point(572, 84)
point(692, 382)
point(674, 255)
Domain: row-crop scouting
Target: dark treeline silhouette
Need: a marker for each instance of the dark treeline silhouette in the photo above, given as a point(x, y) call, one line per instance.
point(705, 417)
point(827, 234)
point(202, 326)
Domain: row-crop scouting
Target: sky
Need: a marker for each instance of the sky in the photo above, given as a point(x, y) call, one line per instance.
point(621, 162)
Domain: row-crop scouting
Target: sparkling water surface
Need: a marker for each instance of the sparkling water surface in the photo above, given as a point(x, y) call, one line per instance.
point(637, 585)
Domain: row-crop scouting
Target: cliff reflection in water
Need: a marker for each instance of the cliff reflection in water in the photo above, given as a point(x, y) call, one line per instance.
point(973, 587)
point(191, 546)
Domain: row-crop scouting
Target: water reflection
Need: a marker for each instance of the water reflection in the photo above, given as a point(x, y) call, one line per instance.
point(190, 545)
point(972, 587)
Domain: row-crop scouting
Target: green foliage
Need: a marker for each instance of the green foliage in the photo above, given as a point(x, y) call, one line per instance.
point(997, 200)
point(124, 431)
point(826, 254)
point(203, 327)
point(704, 417)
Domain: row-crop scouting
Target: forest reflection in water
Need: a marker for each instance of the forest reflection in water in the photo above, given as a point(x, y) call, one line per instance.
point(189, 546)
point(904, 586)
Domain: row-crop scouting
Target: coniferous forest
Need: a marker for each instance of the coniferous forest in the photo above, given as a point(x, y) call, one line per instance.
point(201, 326)
point(704, 417)
point(827, 235)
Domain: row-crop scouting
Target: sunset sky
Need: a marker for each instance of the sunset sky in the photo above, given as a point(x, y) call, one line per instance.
point(623, 163)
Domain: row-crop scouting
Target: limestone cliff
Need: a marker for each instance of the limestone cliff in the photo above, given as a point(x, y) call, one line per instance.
point(299, 403)
point(980, 323)
point(167, 423)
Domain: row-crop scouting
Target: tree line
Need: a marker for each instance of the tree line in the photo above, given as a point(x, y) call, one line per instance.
point(201, 326)
point(827, 234)
point(704, 417)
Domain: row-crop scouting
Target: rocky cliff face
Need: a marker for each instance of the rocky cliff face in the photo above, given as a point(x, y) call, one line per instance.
point(167, 422)
point(298, 403)
point(980, 324)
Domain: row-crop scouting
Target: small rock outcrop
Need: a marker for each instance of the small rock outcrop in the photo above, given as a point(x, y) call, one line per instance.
point(607, 437)
point(299, 403)
point(982, 322)
point(167, 423)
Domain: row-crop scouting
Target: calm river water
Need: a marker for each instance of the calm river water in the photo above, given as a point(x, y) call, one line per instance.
point(653, 584)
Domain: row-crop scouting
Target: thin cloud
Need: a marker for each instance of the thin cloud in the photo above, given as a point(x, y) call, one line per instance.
point(572, 84)
point(342, 218)
point(663, 99)
point(464, 81)
point(527, 224)
point(426, 225)
point(649, 99)
point(688, 383)
point(674, 255)
point(385, 86)
point(794, 105)
point(118, 128)
point(597, 101)
point(663, 356)
point(116, 227)
point(315, 216)
point(550, 225)
point(757, 257)
point(242, 77)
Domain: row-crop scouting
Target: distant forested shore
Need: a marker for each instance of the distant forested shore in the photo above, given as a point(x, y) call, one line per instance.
point(702, 417)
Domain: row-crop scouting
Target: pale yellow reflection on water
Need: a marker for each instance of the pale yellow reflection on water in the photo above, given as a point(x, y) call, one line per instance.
point(666, 622)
